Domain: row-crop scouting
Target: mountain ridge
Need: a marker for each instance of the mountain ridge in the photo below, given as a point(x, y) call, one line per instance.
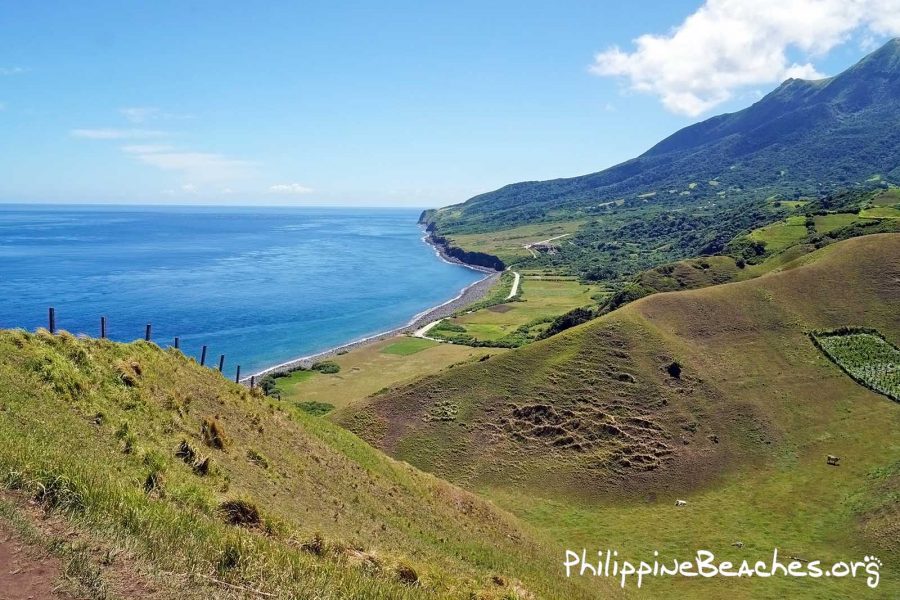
point(803, 138)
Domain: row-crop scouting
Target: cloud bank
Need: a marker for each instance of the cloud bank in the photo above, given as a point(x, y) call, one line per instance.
point(290, 188)
point(730, 44)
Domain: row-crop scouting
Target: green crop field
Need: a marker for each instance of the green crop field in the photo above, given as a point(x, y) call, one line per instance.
point(541, 299)
point(880, 212)
point(866, 357)
point(408, 346)
point(887, 198)
point(826, 223)
point(781, 235)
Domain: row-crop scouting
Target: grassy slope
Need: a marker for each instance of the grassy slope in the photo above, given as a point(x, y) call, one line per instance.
point(64, 406)
point(368, 369)
point(595, 440)
point(509, 244)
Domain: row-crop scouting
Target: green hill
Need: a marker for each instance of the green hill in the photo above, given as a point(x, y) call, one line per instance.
point(154, 477)
point(593, 433)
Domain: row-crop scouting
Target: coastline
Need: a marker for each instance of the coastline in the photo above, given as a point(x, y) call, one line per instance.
point(468, 295)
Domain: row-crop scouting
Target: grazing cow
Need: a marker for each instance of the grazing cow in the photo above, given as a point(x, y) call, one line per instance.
point(833, 460)
point(680, 503)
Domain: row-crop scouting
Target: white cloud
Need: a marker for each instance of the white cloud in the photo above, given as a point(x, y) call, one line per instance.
point(728, 44)
point(117, 134)
point(139, 114)
point(145, 148)
point(143, 114)
point(5, 71)
point(196, 166)
point(290, 188)
point(202, 167)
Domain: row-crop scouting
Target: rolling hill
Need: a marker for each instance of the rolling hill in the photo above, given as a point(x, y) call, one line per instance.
point(149, 476)
point(717, 395)
point(803, 138)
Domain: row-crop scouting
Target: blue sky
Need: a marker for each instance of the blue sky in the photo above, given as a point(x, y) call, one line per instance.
point(390, 103)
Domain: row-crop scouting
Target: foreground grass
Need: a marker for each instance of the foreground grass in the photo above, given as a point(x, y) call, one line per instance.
point(96, 433)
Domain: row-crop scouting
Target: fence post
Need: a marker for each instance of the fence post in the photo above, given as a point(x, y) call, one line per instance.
point(237, 376)
point(147, 333)
point(102, 328)
point(252, 381)
point(177, 343)
point(221, 362)
point(51, 317)
point(203, 356)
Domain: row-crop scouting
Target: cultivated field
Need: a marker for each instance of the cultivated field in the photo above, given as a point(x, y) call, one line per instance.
point(866, 357)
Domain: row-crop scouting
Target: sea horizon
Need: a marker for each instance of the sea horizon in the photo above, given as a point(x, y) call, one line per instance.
point(261, 285)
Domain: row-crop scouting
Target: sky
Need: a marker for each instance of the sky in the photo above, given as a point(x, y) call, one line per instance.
point(392, 103)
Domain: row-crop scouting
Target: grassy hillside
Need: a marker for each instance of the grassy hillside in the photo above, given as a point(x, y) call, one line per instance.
point(593, 433)
point(200, 488)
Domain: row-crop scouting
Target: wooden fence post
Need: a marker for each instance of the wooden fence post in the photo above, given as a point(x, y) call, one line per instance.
point(252, 381)
point(221, 362)
point(102, 328)
point(237, 376)
point(177, 343)
point(203, 356)
point(51, 317)
point(147, 333)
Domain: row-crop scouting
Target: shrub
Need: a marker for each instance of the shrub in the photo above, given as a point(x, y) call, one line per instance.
point(315, 408)
point(213, 434)
point(327, 367)
point(257, 458)
point(674, 369)
point(240, 512)
point(58, 492)
point(407, 575)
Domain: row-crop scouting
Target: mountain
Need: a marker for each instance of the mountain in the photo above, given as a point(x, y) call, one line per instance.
point(800, 139)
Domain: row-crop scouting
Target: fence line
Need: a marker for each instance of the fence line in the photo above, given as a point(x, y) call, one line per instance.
point(148, 330)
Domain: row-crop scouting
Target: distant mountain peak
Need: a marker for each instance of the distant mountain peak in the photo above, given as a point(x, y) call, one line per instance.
point(804, 137)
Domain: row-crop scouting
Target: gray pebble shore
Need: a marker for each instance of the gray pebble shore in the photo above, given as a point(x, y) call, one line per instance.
point(469, 295)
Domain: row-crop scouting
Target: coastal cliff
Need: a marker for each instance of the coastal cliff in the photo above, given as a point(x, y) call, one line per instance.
point(444, 246)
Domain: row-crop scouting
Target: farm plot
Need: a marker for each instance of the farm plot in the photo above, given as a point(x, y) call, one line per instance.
point(866, 357)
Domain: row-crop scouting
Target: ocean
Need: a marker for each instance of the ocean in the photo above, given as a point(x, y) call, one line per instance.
point(259, 285)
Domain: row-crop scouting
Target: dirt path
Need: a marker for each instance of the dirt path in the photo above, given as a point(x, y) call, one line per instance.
point(547, 241)
point(515, 286)
point(421, 333)
point(25, 571)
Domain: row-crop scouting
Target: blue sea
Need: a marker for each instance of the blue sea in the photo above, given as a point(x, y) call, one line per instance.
point(259, 285)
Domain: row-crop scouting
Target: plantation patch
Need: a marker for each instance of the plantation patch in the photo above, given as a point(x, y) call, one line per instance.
point(865, 356)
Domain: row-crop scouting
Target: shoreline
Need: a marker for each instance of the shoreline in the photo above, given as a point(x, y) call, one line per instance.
point(468, 295)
